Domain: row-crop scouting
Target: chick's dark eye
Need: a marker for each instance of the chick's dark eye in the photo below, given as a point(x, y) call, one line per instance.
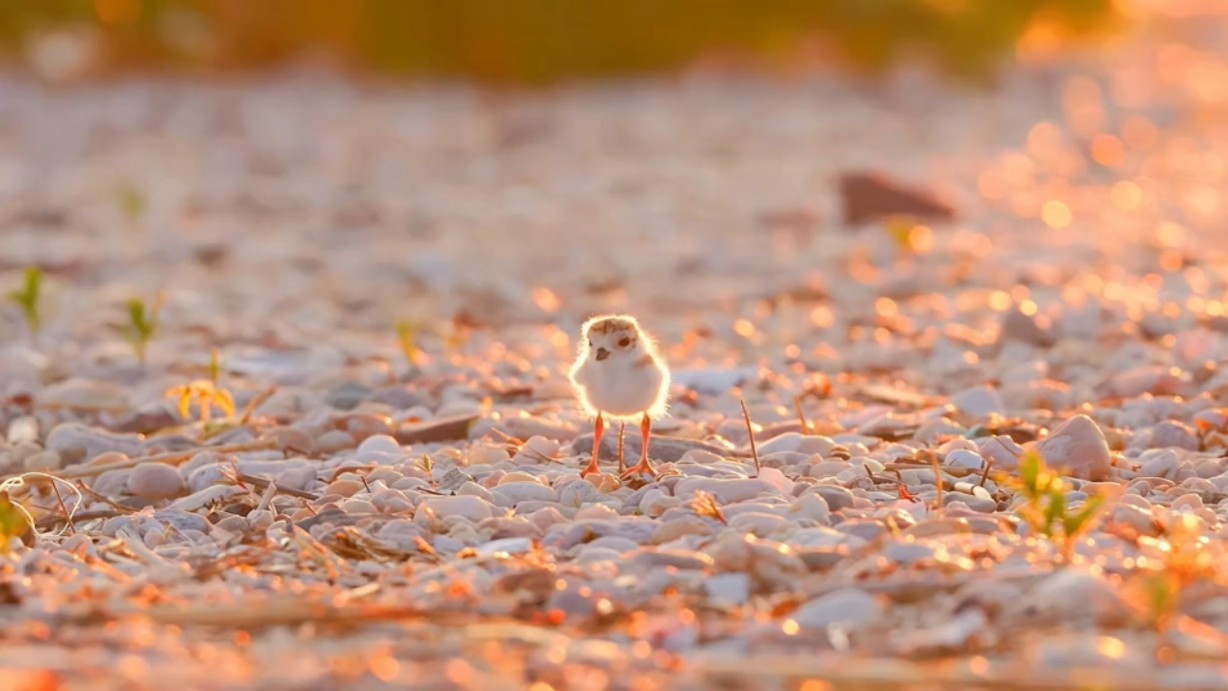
point(624, 342)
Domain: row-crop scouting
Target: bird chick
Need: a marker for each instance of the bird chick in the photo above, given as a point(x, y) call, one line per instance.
point(619, 374)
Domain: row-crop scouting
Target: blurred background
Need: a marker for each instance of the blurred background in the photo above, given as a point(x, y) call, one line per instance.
point(531, 41)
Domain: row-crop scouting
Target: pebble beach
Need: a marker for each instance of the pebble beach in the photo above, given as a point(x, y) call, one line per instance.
point(388, 281)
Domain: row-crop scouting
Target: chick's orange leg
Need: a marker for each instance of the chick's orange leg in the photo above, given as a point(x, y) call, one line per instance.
point(643, 467)
point(598, 429)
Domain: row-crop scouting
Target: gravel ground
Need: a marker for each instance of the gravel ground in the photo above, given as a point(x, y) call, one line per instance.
point(369, 517)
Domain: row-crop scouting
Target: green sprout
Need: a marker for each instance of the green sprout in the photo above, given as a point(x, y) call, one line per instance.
point(1188, 558)
point(132, 200)
point(15, 521)
point(142, 325)
point(206, 393)
point(28, 297)
point(705, 505)
point(407, 338)
point(1045, 509)
point(215, 365)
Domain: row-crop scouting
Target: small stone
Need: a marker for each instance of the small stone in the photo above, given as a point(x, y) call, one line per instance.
point(979, 401)
point(1017, 326)
point(846, 607)
point(1002, 451)
point(380, 443)
point(85, 393)
point(1173, 434)
point(43, 462)
point(155, 481)
point(728, 589)
point(77, 443)
point(726, 491)
point(836, 497)
point(348, 396)
point(715, 381)
point(472, 508)
point(812, 505)
point(23, 450)
point(579, 493)
point(22, 430)
point(792, 441)
point(334, 441)
point(870, 196)
point(1078, 595)
point(1161, 463)
point(510, 545)
point(294, 441)
point(906, 553)
point(516, 492)
point(962, 458)
point(485, 454)
point(1079, 448)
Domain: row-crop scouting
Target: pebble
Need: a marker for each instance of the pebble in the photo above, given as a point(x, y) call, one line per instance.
point(77, 443)
point(837, 498)
point(728, 589)
point(334, 441)
point(512, 493)
point(1162, 463)
point(847, 607)
point(978, 402)
point(348, 396)
point(155, 481)
point(43, 462)
point(22, 429)
point(472, 508)
point(726, 491)
point(1002, 451)
point(792, 441)
point(1078, 446)
point(812, 505)
point(380, 443)
point(963, 458)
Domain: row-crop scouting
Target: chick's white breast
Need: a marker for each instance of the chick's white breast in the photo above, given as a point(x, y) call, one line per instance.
point(622, 391)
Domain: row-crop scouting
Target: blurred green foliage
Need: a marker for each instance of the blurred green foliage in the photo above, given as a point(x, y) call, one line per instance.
point(534, 41)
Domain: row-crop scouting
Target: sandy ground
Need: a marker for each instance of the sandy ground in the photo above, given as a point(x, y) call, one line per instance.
point(371, 518)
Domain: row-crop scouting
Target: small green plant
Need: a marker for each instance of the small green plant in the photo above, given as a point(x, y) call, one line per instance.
point(15, 521)
point(428, 466)
point(407, 338)
point(206, 393)
point(142, 325)
point(705, 505)
point(1187, 559)
point(1045, 509)
point(28, 297)
point(132, 200)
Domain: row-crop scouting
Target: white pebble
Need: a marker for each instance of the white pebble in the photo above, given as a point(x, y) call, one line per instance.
point(155, 481)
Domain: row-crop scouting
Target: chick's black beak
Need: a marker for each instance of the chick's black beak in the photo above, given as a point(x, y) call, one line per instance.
point(602, 354)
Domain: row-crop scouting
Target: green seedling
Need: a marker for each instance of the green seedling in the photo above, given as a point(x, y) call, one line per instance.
point(142, 325)
point(207, 394)
point(705, 505)
point(215, 366)
point(132, 200)
point(15, 521)
point(428, 466)
point(1188, 558)
point(1045, 509)
point(906, 234)
point(28, 298)
point(407, 338)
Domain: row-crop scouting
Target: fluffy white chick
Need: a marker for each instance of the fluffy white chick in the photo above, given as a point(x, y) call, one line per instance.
point(619, 374)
